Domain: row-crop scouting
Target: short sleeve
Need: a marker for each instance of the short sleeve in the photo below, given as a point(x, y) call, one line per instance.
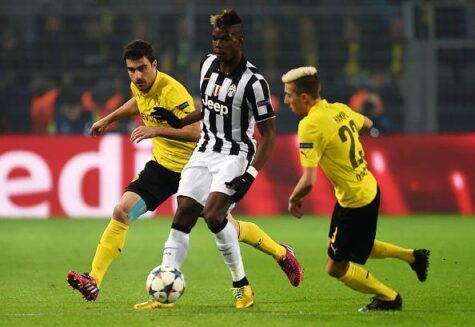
point(311, 144)
point(179, 101)
point(356, 117)
point(259, 98)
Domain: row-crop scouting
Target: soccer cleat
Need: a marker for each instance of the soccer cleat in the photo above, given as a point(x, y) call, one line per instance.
point(84, 284)
point(421, 264)
point(380, 305)
point(291, 266)
point(243, 297)
point(153, 304)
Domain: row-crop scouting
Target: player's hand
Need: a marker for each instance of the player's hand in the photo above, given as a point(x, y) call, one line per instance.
point(241, 185)
point(99, 127)
point(164, 114)
point(295, 208)
point(142, 133)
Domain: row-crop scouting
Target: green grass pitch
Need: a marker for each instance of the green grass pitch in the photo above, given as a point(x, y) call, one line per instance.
point(35, 256)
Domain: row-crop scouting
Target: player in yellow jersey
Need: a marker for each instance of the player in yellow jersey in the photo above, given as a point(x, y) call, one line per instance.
point(159, 179)
point(329, 137)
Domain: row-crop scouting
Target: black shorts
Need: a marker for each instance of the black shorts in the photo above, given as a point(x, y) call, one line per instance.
point(352, 231)
point(155, 184)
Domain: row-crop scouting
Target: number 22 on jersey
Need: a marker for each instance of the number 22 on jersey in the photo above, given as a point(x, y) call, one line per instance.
point(349, 133)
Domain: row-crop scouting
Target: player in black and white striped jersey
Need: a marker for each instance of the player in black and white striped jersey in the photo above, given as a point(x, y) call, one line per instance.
point(235, 98)
point(232, 104)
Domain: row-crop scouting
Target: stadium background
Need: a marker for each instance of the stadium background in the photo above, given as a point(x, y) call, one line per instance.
point(409, 65)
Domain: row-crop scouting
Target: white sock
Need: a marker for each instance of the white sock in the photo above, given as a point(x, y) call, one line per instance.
point(176, 248)
point(228, 244)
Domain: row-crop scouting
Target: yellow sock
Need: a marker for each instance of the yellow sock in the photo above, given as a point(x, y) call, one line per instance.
point(253, 235)
point(362, 281)
point(110, 246)
point(383, 250)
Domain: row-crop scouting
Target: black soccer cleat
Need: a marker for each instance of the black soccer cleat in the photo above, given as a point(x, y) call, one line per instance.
point(421, 265)
point(380, 305)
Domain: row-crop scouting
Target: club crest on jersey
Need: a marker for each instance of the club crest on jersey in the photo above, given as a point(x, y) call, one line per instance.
point(232, 90)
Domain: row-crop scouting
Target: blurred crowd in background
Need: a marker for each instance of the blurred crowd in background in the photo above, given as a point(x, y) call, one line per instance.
point(61, 64)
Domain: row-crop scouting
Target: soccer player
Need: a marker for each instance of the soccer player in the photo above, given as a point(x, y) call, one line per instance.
point(328, 136)
point(235, 97)
point(159, 179)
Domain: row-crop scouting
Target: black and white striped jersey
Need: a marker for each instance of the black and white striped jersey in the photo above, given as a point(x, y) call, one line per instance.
point(230, 107)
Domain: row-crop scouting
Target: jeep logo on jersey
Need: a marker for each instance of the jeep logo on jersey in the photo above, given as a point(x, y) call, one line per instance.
point(219, 108)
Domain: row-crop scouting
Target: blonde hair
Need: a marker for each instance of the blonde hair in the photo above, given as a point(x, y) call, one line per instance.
point(296, 73)
point(305, 80)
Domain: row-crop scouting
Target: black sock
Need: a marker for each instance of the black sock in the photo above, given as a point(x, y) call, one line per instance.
point(241, 283)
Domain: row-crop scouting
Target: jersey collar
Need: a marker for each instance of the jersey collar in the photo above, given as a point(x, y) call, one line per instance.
point(240, 68)
point(319, 105)
point(154, 85)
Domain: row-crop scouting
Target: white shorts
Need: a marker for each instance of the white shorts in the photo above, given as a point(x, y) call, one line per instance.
point(206, 172)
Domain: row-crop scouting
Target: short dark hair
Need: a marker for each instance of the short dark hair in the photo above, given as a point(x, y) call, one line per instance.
point(227, 19)
point(309, 85)
point(138, 49)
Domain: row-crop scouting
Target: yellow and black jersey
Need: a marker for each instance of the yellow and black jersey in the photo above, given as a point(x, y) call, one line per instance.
point(168, 93)
point(328, 137)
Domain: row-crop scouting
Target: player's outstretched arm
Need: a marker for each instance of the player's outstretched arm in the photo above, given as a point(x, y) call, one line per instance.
point(190, 133)
point(303, 187)
point(174, 121)
point(128, 109)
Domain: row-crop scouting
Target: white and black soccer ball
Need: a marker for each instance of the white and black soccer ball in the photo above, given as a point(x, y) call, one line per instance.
point(165, 284)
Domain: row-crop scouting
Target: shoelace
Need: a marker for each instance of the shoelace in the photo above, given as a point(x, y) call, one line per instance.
point(238, 292)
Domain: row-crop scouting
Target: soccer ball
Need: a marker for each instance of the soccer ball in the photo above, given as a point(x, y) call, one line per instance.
point(165, 284)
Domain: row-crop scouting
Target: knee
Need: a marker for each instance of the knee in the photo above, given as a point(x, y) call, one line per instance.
point(214, 219)
point(120, 214)
point(185, 218)
point(336, 269)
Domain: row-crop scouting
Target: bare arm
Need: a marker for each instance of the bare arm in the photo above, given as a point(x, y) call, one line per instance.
point(242, 183)
point(265, 146)
point(368, 123)
point(190, 133)
point(128, 109)
point(302, 189)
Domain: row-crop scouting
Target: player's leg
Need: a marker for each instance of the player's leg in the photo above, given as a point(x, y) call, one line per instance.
point(361, 280)
point(153, 186)
point(214, 213)
point(176, 246)
point(109, 247)
point(351, 238)
point(191, 195)
point(253, 235)
point(418, 259)
point(113, 238)
point(192, 192)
